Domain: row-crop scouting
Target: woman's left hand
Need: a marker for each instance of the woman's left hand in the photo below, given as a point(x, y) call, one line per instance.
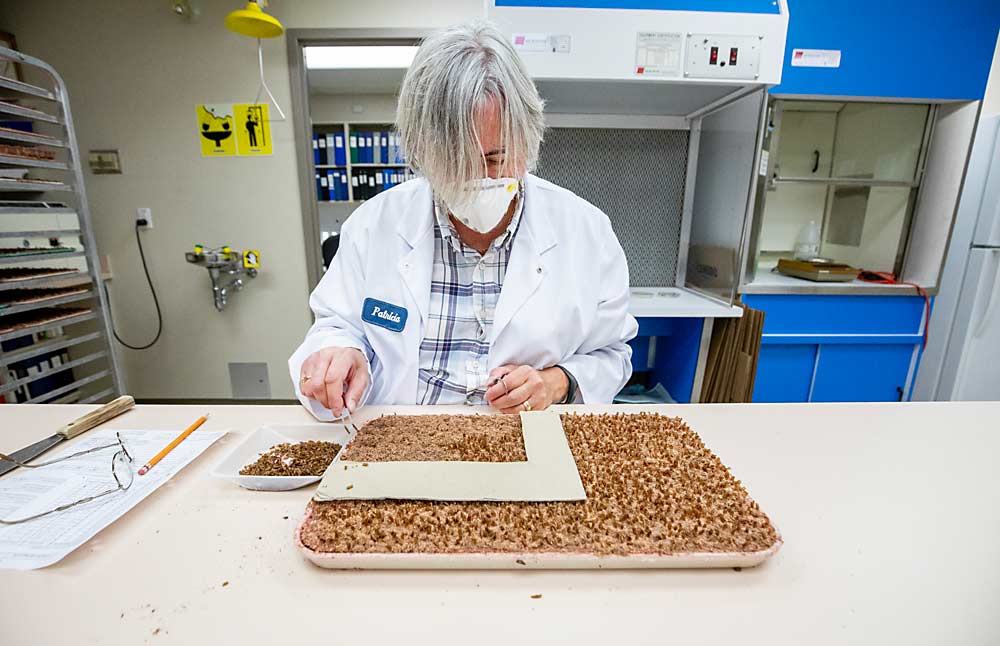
point(522, 388)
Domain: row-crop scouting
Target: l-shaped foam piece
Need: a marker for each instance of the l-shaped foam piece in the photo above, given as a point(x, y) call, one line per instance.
point(549, 474)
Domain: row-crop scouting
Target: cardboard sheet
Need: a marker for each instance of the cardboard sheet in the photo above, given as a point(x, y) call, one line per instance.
point(549, 474)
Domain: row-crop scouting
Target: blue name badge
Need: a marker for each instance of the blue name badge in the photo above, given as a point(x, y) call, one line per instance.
point(391, 317)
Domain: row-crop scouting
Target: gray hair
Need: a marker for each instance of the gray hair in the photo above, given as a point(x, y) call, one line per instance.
point(455, 74)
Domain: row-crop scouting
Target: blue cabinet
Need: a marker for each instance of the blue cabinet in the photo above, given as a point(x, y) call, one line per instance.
point(863, 373)
point(893, 48)
point(677, 345)
point(837, 348)
point(784, 372)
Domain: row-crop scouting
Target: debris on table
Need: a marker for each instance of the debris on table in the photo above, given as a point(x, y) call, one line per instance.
point(309, 458)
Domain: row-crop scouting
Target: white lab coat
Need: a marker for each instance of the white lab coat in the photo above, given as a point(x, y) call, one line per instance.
point(564, 299)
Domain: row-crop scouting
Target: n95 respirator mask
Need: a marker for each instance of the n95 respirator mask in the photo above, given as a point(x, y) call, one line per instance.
point(485, 203)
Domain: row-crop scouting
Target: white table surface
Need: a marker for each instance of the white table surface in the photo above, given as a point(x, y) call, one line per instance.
point(675, 302)
point(890, 515)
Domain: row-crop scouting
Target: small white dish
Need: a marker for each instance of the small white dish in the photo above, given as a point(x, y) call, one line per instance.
point(261, 440)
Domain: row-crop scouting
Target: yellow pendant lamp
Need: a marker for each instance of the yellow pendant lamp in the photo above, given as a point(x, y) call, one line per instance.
point(253, 22)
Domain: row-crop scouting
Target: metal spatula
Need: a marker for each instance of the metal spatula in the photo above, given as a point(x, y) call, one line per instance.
point(92, 419)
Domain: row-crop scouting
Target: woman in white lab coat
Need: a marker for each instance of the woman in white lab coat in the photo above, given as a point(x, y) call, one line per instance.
point(477, 283)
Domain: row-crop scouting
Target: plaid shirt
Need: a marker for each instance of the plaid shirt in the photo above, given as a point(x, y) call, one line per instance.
point(465, 288)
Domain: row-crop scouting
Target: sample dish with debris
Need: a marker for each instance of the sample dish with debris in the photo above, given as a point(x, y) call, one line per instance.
point(309, 458)
point(656, 497)
point(282, 458)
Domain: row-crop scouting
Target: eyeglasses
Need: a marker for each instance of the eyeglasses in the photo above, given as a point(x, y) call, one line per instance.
point(121, 468)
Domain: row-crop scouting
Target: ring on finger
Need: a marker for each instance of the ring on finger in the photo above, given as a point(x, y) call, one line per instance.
point(305, 378)
point(505, 389)
point(527, 406)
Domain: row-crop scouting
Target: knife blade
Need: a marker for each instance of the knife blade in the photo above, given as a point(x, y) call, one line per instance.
point(80, 425)
point(30, 452)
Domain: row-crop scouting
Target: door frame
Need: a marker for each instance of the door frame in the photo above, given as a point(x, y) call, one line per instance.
point(296, 40)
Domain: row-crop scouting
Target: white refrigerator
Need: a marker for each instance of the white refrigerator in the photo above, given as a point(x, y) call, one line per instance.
point(962, 360)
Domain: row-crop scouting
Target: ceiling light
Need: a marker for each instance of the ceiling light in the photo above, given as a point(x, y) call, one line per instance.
point(360, 57)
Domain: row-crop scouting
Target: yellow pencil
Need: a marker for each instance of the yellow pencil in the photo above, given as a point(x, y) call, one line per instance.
point(170, 447)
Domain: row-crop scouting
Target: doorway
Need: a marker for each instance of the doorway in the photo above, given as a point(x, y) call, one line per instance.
point(345, 83)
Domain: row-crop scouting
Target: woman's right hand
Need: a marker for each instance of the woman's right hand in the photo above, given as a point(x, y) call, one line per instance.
point(335, 377)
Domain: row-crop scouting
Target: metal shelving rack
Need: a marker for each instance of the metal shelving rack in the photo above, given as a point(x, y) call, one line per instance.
point(43, 210)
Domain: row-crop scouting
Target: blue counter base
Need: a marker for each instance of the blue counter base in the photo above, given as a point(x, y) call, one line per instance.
point(675, 361)
point(838, 348)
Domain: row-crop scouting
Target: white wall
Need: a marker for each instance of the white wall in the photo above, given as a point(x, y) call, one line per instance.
point(135, 73)
point(338, 108)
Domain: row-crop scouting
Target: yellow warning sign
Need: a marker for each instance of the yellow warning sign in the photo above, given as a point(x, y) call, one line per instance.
point(251, 258)
point(253, 129)
point(216, 130)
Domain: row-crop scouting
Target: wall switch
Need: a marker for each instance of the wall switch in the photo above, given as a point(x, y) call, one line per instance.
point(718, 56)
point(144, 213)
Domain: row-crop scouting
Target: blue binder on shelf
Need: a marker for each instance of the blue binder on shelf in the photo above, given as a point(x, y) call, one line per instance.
point(322, 150)
point(369, 148)
point(331, 183)
point(324, 190)
point(315, 149)
point(339, 151)
point(385, 148)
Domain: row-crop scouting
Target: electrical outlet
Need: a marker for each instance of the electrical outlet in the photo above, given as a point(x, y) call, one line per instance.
point(144, 213)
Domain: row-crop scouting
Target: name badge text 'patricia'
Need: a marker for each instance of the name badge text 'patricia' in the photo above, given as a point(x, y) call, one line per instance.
point(391, 317)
